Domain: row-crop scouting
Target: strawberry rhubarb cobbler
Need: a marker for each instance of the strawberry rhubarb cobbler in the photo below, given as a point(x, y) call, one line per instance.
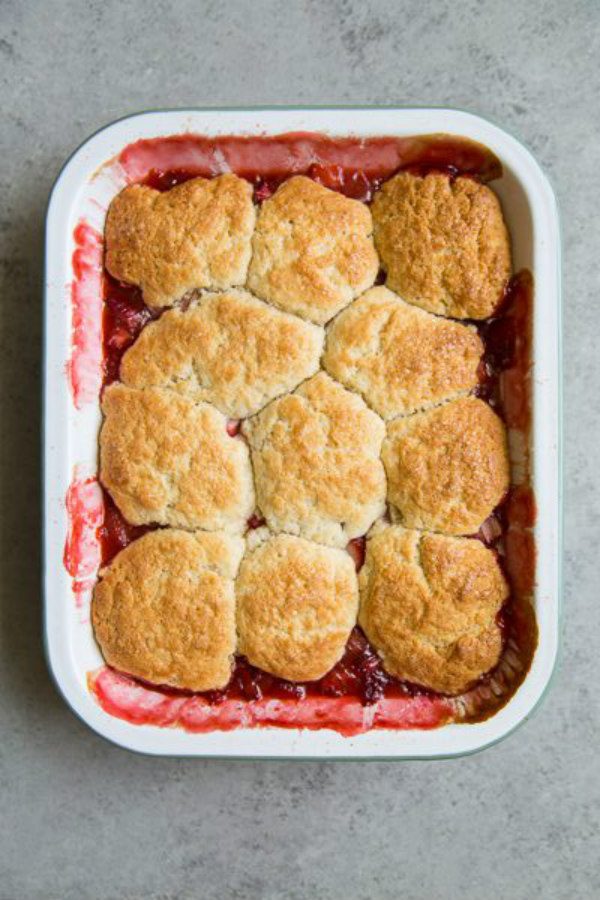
point(317, 509)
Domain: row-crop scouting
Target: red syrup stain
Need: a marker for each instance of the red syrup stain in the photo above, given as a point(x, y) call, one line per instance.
point(115, 532)
point(82, 551)
point(349, 700)
point(165, 161)
point(352, 183)
point(96, 532)
point(263, 190)
point(507, 386)
point(505, 383)
point(83, 368)
point(233, 427)
point(84, 512)
point(357, 548)
point(124, 316)
point(357, 694)
point(505, 369)
point(256, 521)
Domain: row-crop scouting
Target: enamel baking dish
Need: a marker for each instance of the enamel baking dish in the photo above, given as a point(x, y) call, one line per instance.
point(81, 195)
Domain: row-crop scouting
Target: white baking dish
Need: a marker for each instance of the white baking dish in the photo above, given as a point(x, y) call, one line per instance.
point(83, 191)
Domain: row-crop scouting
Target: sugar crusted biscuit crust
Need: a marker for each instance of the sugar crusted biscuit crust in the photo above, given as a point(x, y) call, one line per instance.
point(429, 605)
point(196, 235)
point(164, 609)
point(168, 458)
point(447, 467)
point(399, 357)
point(317, 470)
point(443, 243)
point(312, 251)
point(229, 349)
point(297, 603)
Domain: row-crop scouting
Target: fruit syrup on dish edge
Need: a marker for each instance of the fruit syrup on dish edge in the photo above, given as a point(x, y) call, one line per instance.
point(359, 673)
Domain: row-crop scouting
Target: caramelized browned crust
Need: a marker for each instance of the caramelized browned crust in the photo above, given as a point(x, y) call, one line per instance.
point(296, 606)
point(399, 357)
point(312, 251)
point(315, 455)
point(167, 458)
point(164, 610)
point(228, 349)
point(429, 605)
point(443, 243)
point(447, 467)
point(197, 235)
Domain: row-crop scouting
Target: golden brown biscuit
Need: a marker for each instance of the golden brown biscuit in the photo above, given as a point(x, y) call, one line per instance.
point(164, 609)
point(296, 606)
point(443, 243)
point(399, 357)
point(429, 605)
point(447, 467)
point(228, 349)
point(317, 470)
point(312, 251)
point(167, 458)
point(197, 235)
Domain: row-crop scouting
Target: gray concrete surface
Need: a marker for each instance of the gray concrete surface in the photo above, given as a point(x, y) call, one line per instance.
point(81, 820)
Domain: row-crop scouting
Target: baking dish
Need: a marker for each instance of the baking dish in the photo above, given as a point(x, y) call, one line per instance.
point(76, 213)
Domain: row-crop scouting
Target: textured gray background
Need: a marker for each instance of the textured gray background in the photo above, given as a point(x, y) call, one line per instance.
point(81, 820)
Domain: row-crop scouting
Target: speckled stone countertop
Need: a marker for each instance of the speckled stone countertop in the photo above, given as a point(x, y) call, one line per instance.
point(82, 820)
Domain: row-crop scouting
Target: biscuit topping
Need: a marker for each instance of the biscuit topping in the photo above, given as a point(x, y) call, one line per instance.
point(312, 251)
point(296, 606)
point(398, 357)
point(443, 243)
point(447, 467)
point(197, 235)
point(429, 605)
point(316, 462)
point(167, 458)
point(228, 349)
point(164, 609)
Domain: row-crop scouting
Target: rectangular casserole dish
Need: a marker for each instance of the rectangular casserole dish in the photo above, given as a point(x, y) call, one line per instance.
point(81, 195)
